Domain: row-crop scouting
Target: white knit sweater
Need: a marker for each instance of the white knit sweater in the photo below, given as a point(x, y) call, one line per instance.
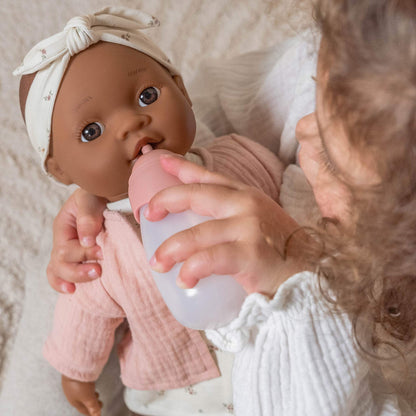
point(294, 357)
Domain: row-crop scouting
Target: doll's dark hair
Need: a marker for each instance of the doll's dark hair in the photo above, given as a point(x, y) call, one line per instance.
point(368, 51)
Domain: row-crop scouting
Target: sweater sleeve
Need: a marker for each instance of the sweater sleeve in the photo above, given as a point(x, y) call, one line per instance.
point(296, 356)
point(244, 160)
point(83, 331)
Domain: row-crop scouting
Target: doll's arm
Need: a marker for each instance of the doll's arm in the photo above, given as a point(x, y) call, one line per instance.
point(75, 229)
point(82, 396)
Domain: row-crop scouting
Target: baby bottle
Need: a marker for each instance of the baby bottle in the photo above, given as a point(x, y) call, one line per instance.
point(215, 300)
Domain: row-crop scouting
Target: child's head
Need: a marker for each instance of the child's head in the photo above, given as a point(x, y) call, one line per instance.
point(368, 57)
point(107, 99)
point(367, 88)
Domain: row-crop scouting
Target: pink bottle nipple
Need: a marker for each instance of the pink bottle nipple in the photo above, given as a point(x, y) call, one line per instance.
point(146, 149)
point(148, 178)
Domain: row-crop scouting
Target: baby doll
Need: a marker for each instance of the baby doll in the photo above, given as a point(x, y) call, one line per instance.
point(92, 96)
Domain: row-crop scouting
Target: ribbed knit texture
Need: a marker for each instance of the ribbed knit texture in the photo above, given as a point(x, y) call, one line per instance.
point(296, 357)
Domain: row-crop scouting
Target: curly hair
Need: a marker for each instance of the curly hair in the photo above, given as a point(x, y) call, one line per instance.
point(368, 50)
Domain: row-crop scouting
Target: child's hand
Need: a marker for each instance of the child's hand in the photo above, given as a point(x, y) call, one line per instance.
point(75, 228)
point(82, 396)
point(246, 239)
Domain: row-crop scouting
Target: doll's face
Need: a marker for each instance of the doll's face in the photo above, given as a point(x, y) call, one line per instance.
point(112, 101)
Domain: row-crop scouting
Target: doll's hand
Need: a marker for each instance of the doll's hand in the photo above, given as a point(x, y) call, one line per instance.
point(246, 239)
point(74, 231)
point(82, 396)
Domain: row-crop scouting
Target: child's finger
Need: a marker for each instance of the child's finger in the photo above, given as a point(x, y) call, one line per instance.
point(217, 201)
point(71, 272)
point(223, 259)
point(73, 252)
point(189, 172)
point(253, 267)
point(67, 264)
point(77, 273)
point(60, 285)
point(184, 244)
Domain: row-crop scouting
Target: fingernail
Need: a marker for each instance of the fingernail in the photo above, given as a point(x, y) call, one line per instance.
point(146, 211)
point(155, 265)
point(64, 288)
point(92, 273)
point(87, 242)
point(180, 283)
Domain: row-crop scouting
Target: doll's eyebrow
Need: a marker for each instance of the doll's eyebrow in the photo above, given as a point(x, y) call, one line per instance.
point(135, 71)
point(85, 100)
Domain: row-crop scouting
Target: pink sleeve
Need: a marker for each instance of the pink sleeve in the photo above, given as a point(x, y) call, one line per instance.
point(245, 160)
point(83, 332)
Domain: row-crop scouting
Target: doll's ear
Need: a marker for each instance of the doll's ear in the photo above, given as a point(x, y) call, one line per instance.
point(54, 169)
point(179, 82)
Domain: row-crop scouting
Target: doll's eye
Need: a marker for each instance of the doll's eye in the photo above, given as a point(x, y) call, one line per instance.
point(91, 132)
point(148, 96)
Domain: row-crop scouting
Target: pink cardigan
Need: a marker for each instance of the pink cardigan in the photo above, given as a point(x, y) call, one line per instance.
point(156, 352)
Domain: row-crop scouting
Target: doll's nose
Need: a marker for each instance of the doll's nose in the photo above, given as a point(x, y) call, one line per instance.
point(131, 123)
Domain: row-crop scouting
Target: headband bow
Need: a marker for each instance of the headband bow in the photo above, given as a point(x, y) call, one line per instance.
point(79, 34)
point(50, 57)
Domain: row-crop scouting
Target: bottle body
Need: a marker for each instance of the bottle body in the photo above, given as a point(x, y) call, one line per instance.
point(213, 302)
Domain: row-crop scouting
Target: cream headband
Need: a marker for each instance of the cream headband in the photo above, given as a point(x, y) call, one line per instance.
point(50, 57)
